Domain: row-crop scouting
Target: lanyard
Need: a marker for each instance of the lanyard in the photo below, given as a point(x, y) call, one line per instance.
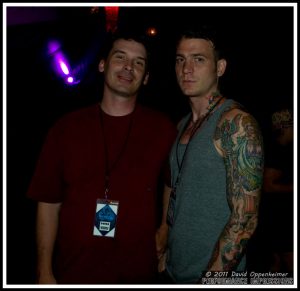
point(206, 116)
point(109, 169)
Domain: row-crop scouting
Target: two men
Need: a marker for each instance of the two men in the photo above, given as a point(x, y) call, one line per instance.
point(98, 173)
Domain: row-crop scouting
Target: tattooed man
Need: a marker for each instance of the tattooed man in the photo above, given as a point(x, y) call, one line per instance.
point(216, 164)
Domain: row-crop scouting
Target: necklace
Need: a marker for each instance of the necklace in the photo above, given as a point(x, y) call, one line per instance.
point(111, 165)
point(172, 206)
point(196, 125)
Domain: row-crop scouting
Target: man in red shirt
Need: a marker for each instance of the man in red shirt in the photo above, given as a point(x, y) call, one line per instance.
point(96, 181)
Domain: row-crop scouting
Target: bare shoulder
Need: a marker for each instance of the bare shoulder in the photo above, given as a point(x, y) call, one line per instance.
point(238, 117)
point(236, 125)
point(234, 110)
point(239, 141)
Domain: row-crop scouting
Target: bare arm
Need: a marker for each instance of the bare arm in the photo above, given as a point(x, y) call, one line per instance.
point(47, 224)
point(239, 141)
point(162, 232)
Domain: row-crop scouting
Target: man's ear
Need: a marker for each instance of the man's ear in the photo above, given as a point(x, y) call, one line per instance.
point(146, 78)
point(221, 67)
point(101, 66)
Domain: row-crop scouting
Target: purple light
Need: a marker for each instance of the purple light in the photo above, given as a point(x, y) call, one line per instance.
point(71, 80)
point(53, 46)
point(60, 64)
point(64, 68)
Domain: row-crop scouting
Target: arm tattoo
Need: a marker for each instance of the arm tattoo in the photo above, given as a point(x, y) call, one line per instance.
point(242, 144)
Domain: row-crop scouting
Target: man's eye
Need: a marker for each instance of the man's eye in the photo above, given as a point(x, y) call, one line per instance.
point(140, 63)
point(199, 59)
point(179, 60)
point(120, 57)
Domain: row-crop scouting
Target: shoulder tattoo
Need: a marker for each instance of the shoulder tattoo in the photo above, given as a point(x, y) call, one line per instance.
point(241, 141)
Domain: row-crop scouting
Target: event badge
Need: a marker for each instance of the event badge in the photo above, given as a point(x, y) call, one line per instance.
point(106, 218)
point(171, 208)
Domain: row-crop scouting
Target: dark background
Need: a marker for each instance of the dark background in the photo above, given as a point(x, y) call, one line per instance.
point(259, 45)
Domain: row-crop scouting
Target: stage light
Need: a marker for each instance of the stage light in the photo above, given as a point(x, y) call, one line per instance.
point(151, 31)
point(70, 79)
point(64, 68)
point(111, 15)
point(60, 64)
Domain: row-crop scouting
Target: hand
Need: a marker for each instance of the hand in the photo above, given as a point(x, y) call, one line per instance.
point(162, 263)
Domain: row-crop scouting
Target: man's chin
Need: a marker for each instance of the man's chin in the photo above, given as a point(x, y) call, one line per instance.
point(188, 92)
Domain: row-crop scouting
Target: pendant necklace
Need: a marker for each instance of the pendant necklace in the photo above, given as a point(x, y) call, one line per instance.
point(106, 213)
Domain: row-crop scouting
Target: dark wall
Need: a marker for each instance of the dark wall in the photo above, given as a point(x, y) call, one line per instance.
point(260, 75)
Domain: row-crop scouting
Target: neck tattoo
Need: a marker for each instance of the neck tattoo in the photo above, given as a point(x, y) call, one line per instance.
point(212, 102)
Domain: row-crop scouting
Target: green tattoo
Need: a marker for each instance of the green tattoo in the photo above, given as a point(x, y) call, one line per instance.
point(242, 145)
point(243, 155)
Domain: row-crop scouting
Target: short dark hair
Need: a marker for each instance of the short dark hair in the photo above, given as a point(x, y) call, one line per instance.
point(127, 34)
point(207, 32)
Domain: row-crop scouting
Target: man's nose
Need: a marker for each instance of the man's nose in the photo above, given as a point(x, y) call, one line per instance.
point(129, 65)
point(188, 66)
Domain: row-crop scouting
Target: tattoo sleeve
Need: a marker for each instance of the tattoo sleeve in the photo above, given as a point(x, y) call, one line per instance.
point(242, 146)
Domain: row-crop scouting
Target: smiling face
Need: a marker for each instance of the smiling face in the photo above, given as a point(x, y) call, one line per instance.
point(197, 68)
point(125, 68)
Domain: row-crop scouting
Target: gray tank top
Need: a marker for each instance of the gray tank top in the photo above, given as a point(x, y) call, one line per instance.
point(201, 209)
